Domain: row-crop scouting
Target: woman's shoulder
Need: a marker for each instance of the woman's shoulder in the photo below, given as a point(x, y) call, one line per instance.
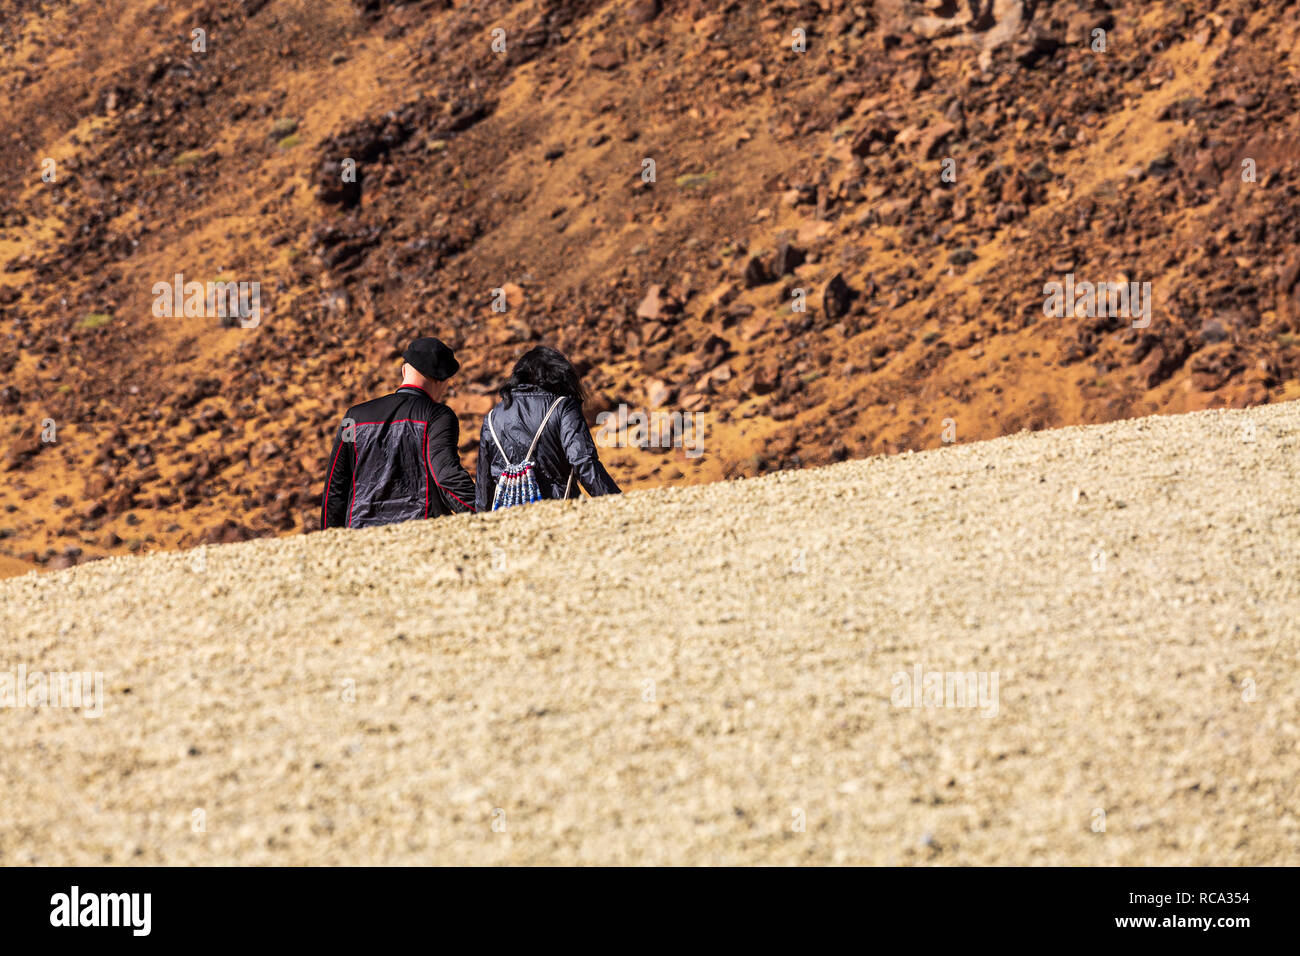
point(495, 413)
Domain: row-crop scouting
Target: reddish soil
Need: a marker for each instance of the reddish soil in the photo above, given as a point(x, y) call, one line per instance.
point(521, 170)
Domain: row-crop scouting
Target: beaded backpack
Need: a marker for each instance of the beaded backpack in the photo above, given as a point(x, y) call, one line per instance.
point(518, 483)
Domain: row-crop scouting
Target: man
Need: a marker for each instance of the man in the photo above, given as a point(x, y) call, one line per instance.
point(395, 457)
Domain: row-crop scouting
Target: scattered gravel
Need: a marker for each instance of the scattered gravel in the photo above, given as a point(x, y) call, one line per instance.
point(705, 675)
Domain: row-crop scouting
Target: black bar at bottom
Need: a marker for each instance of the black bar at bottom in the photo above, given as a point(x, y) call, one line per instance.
point(613, 907)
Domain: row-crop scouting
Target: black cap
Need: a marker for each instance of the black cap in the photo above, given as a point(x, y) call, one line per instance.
point(431, 359)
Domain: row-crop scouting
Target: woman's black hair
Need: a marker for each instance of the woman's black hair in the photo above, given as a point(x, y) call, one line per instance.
point(548, 370)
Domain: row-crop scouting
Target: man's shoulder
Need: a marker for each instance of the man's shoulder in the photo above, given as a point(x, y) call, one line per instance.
point(375, 409)
point(441, 414)
point(437, 410)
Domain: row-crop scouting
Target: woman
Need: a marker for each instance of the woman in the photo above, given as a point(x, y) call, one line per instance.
point(535, 443)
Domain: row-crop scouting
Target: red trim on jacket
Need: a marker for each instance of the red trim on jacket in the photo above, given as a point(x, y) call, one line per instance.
point(471, 508)
point(429, 465)
point(395, 421)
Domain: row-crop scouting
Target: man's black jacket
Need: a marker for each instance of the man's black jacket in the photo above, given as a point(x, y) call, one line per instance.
point(395, 458)
point(566, 446)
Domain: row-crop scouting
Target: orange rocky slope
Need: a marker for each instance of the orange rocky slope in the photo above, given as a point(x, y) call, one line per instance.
point(521, 170)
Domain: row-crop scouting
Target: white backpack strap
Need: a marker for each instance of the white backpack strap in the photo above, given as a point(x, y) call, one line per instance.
point(540, 428)
point(505, 459)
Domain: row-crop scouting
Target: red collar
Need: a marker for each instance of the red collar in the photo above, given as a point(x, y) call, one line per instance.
point(421, 388)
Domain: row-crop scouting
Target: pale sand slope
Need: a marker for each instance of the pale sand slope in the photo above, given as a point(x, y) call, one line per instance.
point(1161, 690)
